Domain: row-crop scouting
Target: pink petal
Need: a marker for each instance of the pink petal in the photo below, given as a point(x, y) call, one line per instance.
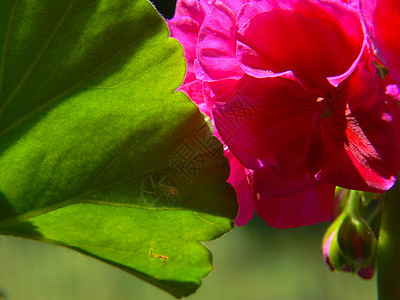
point(241, 180)
point(310, 206)
point(269, 123)
point(199, 92)
point(193, 9)
point(185, 30)
point(269, 183)
point(336, 80)
point(216, 48)
point(225, 89)
point(252, 9)
point(314, 46)
point(383, 21)
point(235, 6)
point(345, 15)
point(361, 141)
point(185, 27)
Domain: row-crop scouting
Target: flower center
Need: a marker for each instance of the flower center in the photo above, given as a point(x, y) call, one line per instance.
point(325, 105)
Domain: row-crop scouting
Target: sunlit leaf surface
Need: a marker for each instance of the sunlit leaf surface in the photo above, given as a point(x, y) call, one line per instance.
point(97, 151)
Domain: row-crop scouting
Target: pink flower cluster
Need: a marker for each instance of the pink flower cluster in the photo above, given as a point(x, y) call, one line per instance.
point(294, 96)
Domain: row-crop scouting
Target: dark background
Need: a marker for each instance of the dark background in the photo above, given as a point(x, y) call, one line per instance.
point(165, 7)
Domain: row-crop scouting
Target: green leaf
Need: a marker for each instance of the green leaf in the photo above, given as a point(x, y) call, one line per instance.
point(97, 151)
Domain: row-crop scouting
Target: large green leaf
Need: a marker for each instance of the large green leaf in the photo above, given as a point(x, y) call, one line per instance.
point(97, 151)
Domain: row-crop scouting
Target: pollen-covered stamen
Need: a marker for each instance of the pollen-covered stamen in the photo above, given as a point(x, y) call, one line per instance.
point(325, 105)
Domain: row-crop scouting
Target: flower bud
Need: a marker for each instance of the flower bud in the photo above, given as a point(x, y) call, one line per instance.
point(357, 242)
point(350, 244)
point(367, 272)
point(330, 248)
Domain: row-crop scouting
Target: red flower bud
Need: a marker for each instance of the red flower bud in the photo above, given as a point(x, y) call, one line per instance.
point(350, 244)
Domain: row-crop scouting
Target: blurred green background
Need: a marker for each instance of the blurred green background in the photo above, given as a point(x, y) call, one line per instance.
point(251, 262)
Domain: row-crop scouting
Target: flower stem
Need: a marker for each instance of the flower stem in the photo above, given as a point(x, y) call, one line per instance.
point(353, 203)
point(388, 259)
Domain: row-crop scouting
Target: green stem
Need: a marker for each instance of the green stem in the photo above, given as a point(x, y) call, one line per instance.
point(388, 259)
point(353, 203)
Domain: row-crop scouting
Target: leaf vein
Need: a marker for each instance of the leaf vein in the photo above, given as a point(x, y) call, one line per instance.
point(5, 47)
point(36, 61)
point(113, 161)
point(48, 209)
point(73, 88)
point(53, 174)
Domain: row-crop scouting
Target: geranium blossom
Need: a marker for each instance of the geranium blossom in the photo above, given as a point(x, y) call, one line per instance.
point(185, 26)
point(285, 85)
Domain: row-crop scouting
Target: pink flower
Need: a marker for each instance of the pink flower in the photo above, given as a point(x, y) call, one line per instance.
point(382, 18)
point(290, 98)
point(185, 26)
